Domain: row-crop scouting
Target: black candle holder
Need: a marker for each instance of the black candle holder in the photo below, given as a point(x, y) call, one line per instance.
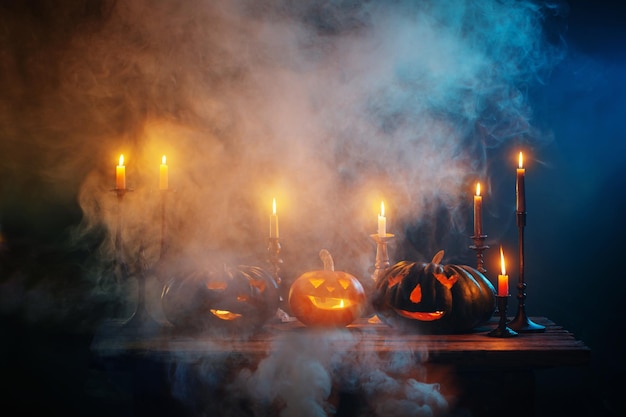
point(502, 330)
point(521, 323)
point(141, 318)
point(382, 255)
point(274, 259)
point(163, 247)
point(479, 247)
point(120, 260)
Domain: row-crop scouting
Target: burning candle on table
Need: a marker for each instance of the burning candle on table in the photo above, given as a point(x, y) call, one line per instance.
point(520, 188)
point(478, 212)
point(120, 175)
point(163, 174)
point(503, 279)
point(382, 221)
point(274, 221)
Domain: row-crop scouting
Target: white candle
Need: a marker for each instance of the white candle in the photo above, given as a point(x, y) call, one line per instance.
point(120, 175)
point(163, 175)
point(274, 221)
point(382, 221)
point(503, 278)
point(478, 212)
point(520, 187)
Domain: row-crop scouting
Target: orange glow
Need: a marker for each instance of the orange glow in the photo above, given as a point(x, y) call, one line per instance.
point(477, 188)
point(330, 303)
point(502, 261)
point(225, 314)
point(521, 160)
point(421, 316)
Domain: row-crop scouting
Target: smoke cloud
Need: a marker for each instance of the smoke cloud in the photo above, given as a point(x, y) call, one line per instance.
point(330, 107)
point(313, 374)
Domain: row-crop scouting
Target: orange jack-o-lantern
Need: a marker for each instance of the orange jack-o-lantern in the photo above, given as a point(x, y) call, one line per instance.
point(434, 298)
point(237, 298)
point(326, 298)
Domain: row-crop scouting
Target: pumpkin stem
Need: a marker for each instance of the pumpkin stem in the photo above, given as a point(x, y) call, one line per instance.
point(437, 258)
point(327, 259)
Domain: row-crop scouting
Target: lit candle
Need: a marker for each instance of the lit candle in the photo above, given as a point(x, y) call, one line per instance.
point(163, 175)
point(503, 279)
point(520, 189)
point(120, 175)
point(382, 221)
point(274, 221)
point(478, 212)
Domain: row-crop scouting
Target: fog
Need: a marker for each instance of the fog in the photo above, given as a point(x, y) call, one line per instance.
point(327, 106)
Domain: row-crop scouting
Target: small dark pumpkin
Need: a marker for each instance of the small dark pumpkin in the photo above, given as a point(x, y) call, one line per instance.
point(326, 298)
point(433, 298)
point(240, 298)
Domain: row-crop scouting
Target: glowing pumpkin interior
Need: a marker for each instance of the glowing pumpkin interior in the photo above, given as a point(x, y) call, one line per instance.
point(222, 286)
point(326, 297)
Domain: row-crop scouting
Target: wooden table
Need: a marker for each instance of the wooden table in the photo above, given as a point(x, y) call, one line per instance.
point(491, 375)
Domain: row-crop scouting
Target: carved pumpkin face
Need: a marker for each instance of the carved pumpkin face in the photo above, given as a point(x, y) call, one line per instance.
point(327, 297)
point(241, 298)
point(434, 298)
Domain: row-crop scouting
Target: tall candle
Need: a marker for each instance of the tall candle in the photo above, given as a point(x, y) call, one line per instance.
point(382, 221)
point(120, 175)
point(520, 188)
point(478, 212)
point(163, 175)
point(274, 221)
point(503, 278)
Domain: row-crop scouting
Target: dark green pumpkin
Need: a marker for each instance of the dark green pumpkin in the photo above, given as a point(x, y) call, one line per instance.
point(237, 299)
point(433, 298)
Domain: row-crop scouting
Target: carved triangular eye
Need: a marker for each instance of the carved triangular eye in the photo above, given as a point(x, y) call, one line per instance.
point(394, 280)
point(416, 294)
point(217, 285)
point(445, 281)
point(345, 283)
point(258, 284)
point(316, 282)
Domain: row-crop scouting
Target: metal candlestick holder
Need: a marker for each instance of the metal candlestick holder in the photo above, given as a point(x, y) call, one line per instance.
point(521, 322)
point(382, 255)
point(479, 247)
point(274, 259)
point(119, 251)
point(140, 318)
point(502, 330)
point(163, 251)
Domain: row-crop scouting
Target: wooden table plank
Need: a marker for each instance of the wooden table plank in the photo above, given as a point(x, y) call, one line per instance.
point(554, 347)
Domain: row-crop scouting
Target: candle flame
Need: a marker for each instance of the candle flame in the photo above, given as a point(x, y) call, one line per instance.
point(521, 160)
point(382, 208)
point(477, 188)
point(274, 206)
point(121, 160)
point(502, 261)
point(163, 160)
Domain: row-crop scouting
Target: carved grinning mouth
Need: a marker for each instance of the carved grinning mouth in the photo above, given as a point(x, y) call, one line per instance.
point(225, 314)
point(330, 303)
point(420, 315)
